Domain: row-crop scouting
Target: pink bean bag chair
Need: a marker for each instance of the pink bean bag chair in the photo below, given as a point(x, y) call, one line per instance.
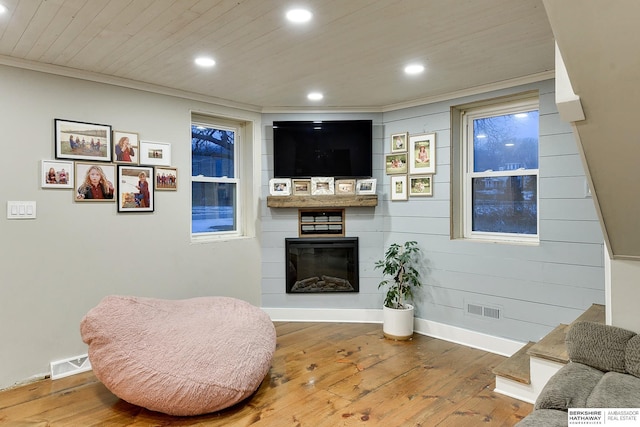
point(180, 357)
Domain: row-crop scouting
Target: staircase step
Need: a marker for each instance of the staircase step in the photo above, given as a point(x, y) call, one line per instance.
point(595, 313)
point(516, 367)
point(552, 346)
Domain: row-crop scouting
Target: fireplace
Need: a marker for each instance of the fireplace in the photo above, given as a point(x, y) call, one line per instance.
point(319, 265)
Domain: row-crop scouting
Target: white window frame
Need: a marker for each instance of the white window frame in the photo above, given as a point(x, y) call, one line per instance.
point(238, 129)
point(468, 116)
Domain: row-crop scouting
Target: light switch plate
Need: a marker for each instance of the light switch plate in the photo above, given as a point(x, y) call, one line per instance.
point(21, 210)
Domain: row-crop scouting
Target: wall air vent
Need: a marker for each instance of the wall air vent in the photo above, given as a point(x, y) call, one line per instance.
point(71, 366)
point(485, 311)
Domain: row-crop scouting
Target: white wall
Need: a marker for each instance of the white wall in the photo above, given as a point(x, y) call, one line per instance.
point(55, 268)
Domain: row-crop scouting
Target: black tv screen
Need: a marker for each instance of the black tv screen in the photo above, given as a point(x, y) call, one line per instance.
point(336, 148)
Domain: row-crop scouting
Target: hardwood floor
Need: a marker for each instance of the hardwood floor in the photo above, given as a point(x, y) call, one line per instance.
point(323, 375)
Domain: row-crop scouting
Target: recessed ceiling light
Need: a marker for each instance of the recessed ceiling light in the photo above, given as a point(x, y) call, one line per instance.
point(315, 96)
point(299, 15)
point(205, 61)
point(3, 8)
point(414, 69)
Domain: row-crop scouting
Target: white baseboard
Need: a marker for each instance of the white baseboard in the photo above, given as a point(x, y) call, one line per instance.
point(492, 344)
point(324, 315)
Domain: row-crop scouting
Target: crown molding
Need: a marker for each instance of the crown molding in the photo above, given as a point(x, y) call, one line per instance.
point(163, 90)
point(121, 82)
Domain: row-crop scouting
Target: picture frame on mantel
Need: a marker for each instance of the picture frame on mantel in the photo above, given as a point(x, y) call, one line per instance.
point(366, 186)
point(321, 186)
point(280, 186)
point(301, 187)
point(345, 187)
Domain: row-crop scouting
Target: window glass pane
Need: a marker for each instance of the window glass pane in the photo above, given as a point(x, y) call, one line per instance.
point(506, 142)
point(212, 152)
point(506, 204)
point(212, 207)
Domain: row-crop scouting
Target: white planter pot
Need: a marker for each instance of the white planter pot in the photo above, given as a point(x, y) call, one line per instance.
point(398, 323)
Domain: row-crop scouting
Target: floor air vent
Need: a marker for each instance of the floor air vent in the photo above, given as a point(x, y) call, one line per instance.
point(484, 311)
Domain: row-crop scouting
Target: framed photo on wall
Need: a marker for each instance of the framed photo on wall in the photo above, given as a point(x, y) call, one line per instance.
point(399, 187)
point(95, 182)
point(125, 147)
point(57, 174)
point(136, 188)
point(82, 141)
point(421, 185)
point(396, 164)
point(155, 153)
point(399, 142)
point(166, 179)
point(422, 153)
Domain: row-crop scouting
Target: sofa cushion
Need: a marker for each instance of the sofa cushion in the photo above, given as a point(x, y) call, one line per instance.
point(180, 357)
point(545, 418)
point(615, 390)
point(632, 356)
point(569, 387)
point(598, 345)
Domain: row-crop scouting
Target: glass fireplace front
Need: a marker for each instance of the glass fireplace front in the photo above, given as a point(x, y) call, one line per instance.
point(316, 265)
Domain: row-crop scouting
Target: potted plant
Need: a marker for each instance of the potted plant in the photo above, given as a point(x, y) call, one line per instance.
point(400, 262)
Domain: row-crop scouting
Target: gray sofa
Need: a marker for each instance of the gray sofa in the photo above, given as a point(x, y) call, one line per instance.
point(603, 372)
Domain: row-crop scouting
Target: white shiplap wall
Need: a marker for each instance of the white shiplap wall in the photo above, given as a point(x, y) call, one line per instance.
point(535, 287)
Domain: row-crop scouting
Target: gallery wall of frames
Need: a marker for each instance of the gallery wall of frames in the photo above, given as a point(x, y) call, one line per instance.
point(411, 165)
point(102, 165)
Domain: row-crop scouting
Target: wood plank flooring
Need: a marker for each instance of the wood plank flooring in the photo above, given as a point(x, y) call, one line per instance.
point(322, 375)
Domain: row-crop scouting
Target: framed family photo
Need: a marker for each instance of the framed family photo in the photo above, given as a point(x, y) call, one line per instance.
point(82, 141)
point(421, 185)
point(322, 186)
point(422, 153)
point(301, 187)
point(399, 142)
point(57, 174)
point(95, 182)
point(135, 189)
point(280, 186)
point(396, 163)
point(399, 187)
point(155, 153)
point(366, 186)
point(166, 179)
point(125, 147)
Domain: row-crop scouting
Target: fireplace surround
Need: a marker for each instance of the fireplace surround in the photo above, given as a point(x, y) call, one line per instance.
point(320, 265)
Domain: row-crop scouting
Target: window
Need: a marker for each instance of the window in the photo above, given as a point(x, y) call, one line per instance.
point(214, 181)
point(500, 171)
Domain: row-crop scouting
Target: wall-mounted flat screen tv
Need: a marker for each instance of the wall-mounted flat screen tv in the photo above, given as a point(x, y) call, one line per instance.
point(337, 148)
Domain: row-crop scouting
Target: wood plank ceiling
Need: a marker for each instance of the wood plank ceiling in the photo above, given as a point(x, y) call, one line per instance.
point(353, 50)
